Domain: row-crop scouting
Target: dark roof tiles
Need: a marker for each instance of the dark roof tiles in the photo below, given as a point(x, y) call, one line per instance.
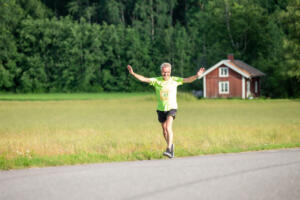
point(253, 72)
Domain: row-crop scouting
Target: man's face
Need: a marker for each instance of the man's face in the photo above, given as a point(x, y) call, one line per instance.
point(166, 73)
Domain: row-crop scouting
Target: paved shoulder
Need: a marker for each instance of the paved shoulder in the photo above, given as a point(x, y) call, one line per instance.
point(252, 175)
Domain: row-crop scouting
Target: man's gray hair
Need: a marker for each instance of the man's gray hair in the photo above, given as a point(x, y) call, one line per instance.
point(165, 65)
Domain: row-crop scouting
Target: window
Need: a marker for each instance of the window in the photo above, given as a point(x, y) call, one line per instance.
point(224, 87)
point(223, 72)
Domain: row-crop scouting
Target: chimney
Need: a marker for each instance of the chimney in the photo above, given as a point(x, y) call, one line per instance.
point(230, 57)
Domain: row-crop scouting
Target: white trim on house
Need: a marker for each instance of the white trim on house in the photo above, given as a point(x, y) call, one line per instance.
point(204, 87)
point(243, 88)
point(224, 87)
point(223, 72)
point(227, 63)
point(212, 68)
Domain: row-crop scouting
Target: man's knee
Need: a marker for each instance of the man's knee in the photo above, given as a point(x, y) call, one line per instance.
point(165, 131)
point(169, 129)
point(164, 127)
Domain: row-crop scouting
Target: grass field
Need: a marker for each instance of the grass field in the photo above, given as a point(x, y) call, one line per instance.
point(64, 129)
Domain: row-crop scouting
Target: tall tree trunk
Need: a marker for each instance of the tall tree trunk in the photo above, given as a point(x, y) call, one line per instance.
point(227, 18)
point(152, 21)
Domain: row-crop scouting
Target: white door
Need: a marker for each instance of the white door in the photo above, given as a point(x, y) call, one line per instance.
point(248, 89)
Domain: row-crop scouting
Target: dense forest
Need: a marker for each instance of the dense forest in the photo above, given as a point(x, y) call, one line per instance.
point(85, 45)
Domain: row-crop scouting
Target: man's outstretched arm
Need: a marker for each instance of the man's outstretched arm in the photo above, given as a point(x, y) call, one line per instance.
point(193, 78)
point(137, 76)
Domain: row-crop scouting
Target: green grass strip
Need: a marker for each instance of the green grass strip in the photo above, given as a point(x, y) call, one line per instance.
point(67, 96)
point(21, 162)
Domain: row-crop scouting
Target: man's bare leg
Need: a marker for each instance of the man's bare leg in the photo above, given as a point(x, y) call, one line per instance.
point(169, 124)
point(165, 132)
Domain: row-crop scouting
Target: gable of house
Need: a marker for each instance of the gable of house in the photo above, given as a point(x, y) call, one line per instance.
point(223, 86)
point(238, 66)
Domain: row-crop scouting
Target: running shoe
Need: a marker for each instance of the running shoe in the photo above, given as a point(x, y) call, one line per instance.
point(172, 151)
point(168, 153)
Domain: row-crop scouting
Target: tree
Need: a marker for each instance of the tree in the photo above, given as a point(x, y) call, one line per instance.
point(290, 21)
point(60, 55)
point(86, 46)
point(82, 9)
point(12, 13)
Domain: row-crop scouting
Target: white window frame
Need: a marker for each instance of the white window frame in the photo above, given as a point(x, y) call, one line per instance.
point(223, 72)
point(223, 85)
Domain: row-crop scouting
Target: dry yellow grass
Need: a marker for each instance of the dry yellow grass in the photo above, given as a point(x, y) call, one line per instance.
point(127, 128)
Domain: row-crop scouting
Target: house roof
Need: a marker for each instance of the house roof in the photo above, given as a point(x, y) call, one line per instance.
point(238, 66)
point(253, 72)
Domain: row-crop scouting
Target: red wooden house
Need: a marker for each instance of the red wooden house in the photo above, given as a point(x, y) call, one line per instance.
point(231, 78)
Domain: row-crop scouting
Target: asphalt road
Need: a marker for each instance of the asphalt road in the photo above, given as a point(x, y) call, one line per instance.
point(265, 175)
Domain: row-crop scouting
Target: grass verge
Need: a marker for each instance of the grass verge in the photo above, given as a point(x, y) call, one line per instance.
point(66, 96)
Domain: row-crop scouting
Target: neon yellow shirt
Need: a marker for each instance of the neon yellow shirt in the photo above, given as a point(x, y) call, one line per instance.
point(166, 92)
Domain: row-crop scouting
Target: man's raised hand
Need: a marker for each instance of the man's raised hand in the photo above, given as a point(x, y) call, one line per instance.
point(201, 71)
point(130, 69)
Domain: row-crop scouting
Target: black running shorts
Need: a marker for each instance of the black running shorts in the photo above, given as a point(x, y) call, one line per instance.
point(162, 115)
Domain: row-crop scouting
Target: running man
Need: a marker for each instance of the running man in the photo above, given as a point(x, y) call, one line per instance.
point(166, 90)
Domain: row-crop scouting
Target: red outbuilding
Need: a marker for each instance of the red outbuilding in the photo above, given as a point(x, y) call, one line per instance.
point(231, 78)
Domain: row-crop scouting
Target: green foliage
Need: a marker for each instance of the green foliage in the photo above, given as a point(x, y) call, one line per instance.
point(85, 45)
point(291, 44)
point(69, 54)
point(11, 13)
